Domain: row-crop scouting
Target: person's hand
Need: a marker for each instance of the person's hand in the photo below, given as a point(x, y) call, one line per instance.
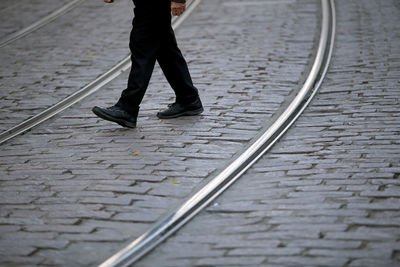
point(176, 8)
point(108, 1)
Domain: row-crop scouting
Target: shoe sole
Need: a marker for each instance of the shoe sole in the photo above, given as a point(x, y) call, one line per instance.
point(185, 113)
point(105, 116)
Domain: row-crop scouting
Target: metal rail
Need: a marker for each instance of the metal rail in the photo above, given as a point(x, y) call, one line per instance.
point(87, 90)
point(194, 204)
point(40, 23)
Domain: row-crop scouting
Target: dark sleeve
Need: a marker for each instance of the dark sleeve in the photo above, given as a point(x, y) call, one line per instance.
point(179, 1)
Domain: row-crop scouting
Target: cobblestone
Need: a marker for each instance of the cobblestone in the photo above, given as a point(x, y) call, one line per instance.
point(47, 65)
point(20, 15)
point(327, 195)
point(117, 178)
point(335, 169)
point(230, 261)
point(311, 261)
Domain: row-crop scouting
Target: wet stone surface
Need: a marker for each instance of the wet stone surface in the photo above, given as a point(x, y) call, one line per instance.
point(328, 193)
point(90, 187)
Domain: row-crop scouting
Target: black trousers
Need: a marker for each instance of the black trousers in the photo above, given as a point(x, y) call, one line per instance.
point(153, 39)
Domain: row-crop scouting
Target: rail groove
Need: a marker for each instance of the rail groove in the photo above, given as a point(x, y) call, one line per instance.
point(85, 91)
point(195, 203)
point(40, 23)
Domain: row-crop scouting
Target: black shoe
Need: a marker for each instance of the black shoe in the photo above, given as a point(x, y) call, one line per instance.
point(116, 114)
point(176, 110)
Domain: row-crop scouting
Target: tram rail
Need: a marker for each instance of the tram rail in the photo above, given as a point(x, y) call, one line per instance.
point(203, 197)
point(200, 199)
point(85, 91)
point(40, 23)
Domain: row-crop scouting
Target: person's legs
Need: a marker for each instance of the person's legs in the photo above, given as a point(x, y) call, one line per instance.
point(175, 69)
point(152, 38)
point(144, 44)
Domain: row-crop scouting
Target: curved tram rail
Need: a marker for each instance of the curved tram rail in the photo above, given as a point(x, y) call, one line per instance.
point(194, 204)
point(87, 90)
point(40, 23)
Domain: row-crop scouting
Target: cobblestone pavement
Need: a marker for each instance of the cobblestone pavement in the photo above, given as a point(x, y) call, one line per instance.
point(20, 14)
point(53, 62)
point(77, 189)
point(328, 193)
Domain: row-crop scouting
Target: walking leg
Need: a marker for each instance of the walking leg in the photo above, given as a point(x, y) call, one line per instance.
point(175, 69)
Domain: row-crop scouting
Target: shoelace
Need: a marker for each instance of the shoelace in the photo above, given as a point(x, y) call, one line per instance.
point(172, 104)
point(113, 108)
